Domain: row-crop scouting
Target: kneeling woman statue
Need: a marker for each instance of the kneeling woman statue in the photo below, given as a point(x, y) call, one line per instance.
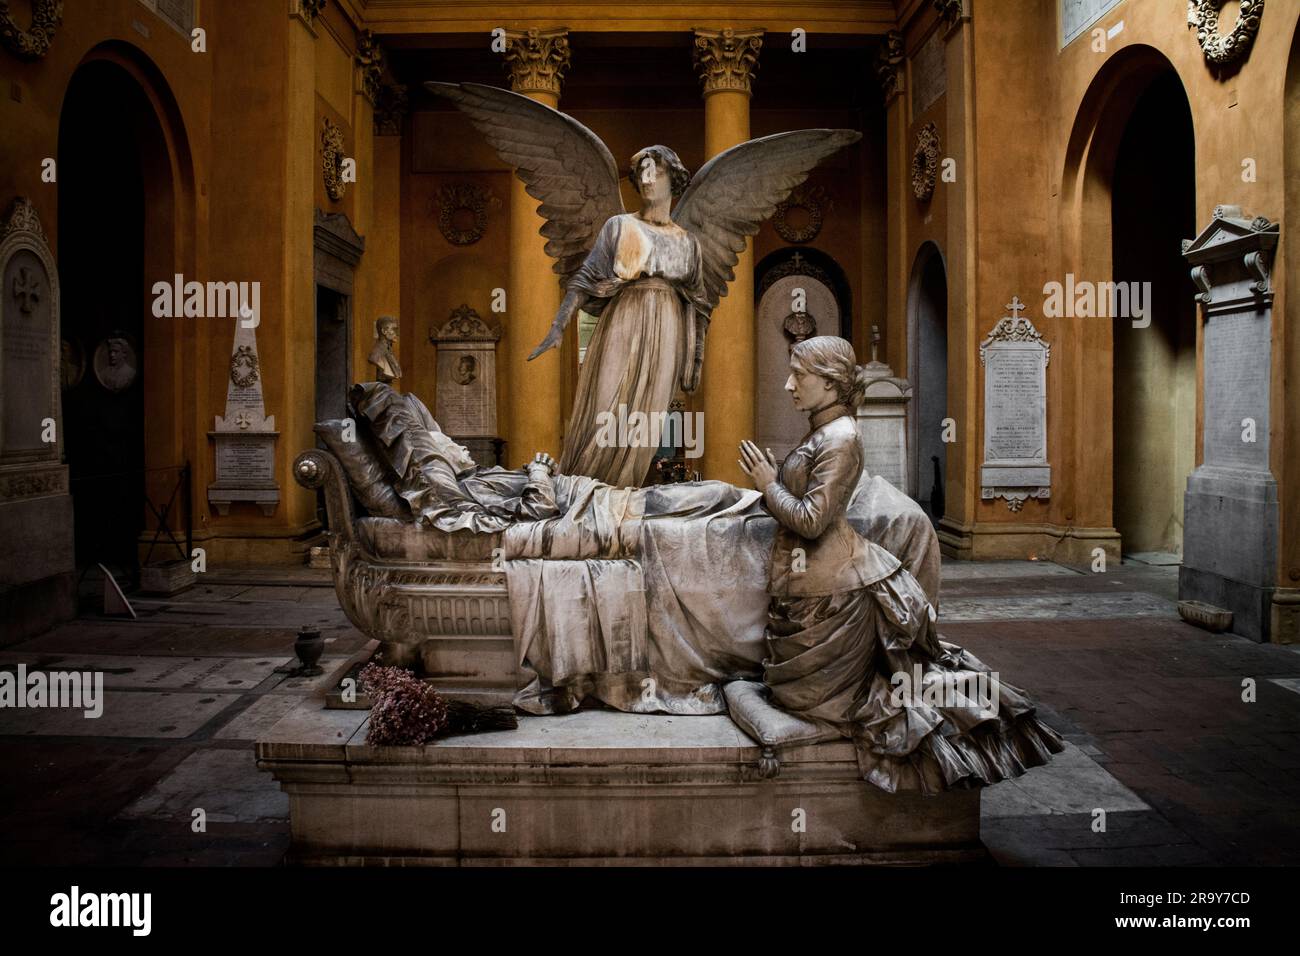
point(852, 645)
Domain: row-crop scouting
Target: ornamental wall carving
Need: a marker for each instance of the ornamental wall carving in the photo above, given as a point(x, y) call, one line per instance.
point(537, 60)
point(727, 59)
point(925, 162)
point(1224, 49)
point(331, 140)
point(813, 203)
point(33, 41)
point(463, 212)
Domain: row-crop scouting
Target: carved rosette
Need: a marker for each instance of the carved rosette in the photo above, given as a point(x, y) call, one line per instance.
point(727, 59)
point(925, 162)
point(33, 42)
point(331, 139)
point(889, 65)
point(390, 108)
point(1224, 49)
point(537, 60)
point(370, 64)
point(812, 200)
point(470, 198)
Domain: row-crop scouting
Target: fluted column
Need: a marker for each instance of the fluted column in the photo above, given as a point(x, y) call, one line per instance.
point(537, 61)
point(726, 61)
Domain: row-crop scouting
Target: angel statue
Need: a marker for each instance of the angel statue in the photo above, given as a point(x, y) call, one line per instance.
point(651, 277)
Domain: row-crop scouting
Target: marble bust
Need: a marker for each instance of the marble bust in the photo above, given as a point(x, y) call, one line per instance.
point(383, 355)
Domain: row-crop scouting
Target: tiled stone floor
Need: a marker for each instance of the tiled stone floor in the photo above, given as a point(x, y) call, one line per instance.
point(1163, 752)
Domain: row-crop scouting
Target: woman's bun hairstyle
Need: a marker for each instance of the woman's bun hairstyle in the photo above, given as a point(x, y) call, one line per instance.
point(833, 358)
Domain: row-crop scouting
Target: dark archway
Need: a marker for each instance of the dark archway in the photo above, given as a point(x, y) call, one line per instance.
point(927, 369)
point(1153, 207)
point(120, 230)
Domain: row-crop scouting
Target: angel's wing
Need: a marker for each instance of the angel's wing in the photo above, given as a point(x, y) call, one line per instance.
point(562, 163)
point(735, 191)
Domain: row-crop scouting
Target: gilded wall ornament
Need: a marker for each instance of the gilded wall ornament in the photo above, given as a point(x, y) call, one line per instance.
point(810, 204)
point(370, 64)
point(889, 65)
point(727, 59)
point(537, 60)
point(925, 162)
point(34, 42)
point(1224, 49)
point(331, 139)
point(244, 368)
point(462, 212)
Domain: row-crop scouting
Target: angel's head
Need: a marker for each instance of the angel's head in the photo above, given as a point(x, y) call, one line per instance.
point(656, 171)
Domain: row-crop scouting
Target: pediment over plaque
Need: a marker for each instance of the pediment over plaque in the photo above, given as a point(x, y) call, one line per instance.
point(465, 325)
point(1231, 258)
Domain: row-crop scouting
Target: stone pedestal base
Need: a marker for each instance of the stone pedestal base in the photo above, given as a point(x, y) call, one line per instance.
point(596, 787)
point(1230, 546)
point(167, 577)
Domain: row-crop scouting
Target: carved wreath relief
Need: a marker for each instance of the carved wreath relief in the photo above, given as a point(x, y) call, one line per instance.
point(331, 139)
point(34, 42)
point(1224, 49)
point(925, 162)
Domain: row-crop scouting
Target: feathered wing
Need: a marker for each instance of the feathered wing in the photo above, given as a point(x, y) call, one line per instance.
point(735, 191)
point(730, 197)
point(561, 162)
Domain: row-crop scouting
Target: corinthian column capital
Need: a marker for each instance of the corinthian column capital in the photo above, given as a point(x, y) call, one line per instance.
point(727, 59)
point(537, 60)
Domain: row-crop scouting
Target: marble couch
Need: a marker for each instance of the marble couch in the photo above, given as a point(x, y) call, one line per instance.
point(437, 602)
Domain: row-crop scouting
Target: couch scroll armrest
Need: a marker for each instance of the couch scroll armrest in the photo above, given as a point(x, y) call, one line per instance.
point(317, 468)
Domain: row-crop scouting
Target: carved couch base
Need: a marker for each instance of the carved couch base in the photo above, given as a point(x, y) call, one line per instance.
point(433, 600)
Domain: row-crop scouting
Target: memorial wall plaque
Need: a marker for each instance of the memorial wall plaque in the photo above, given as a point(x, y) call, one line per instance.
point(1231, 508)
point(245, 436)
point(35, 506)
point(465, 403)
point(1015, 357)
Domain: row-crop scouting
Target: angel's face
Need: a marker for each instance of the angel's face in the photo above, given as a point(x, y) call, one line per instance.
point(654, 181)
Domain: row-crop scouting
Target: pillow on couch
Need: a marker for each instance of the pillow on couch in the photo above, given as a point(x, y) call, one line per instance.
point(366, 473)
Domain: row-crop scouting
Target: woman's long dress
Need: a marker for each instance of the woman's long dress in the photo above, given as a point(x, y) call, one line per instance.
point(642, 279)
point(853, 646)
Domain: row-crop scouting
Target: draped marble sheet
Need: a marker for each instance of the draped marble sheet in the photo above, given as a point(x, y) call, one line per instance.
point(651, 599)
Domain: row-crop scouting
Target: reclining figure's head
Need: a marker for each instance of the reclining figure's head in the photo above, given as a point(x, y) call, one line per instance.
point(457, 456)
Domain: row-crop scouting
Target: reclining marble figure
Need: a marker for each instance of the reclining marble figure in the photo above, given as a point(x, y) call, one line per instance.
point(773, 604)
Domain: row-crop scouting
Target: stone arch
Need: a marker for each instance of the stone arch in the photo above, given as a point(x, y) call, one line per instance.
point(126, 202)
point(1128, 196)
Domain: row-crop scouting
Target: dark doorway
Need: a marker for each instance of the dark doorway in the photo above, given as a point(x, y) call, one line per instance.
point(928, 315)
point(105, 126)
point(1153, 207)
point(332, 336)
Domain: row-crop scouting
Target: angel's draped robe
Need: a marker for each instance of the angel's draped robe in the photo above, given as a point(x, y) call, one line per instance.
point(643, 281)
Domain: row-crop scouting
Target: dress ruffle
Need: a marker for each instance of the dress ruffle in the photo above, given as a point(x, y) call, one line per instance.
point(924, 715)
